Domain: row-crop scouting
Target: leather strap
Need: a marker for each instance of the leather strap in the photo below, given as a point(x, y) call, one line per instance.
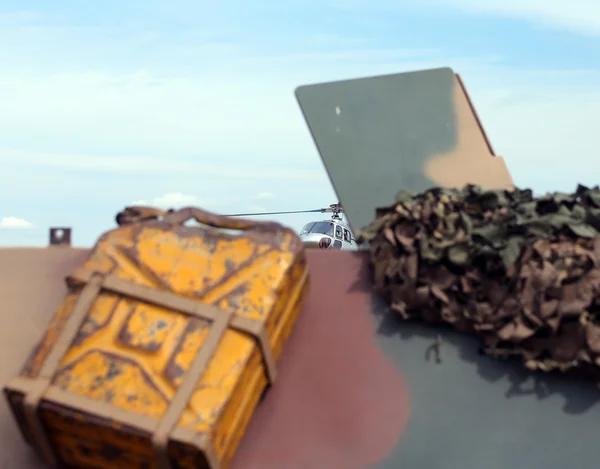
point(160, 439)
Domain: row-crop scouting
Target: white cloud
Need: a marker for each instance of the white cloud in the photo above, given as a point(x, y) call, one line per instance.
point(140, 165)
point(265, 196)
point(582, 16)
point(178, 200)
point(14, 223)
point(182, 118)
point(256, 209)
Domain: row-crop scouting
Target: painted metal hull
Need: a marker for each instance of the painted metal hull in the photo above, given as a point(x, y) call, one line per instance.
point(352, 392)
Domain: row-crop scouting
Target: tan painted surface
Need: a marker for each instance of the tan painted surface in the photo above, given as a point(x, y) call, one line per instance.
point(31, 289)
point(472, 160)
point(336, 389)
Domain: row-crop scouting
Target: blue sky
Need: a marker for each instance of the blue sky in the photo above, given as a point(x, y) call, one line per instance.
point(191, 102)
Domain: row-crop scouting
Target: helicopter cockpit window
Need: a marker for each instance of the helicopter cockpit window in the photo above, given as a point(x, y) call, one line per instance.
point(322, 227)
point(307, 228)
point(347, 236)
point(338, 232)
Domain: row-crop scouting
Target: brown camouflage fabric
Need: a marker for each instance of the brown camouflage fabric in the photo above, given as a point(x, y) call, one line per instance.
point(521, 272)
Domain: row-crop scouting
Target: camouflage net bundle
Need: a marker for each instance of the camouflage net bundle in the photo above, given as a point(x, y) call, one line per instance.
point(521, 272)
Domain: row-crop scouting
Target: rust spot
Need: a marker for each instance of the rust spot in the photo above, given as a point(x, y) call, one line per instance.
point(132, 255)
point(111, 452)
point(146, 329)
point(84, 450)
point(35, 360)
point(101, 375)
point(241, 266)
point(30, 368)
point(233, 297)
point(173, 372)
point(91, 325)
point(229, 265)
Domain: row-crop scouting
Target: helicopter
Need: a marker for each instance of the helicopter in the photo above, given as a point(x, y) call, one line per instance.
point(334, 233)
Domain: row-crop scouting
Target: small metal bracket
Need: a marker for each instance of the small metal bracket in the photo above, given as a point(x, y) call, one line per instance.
point(60, 236)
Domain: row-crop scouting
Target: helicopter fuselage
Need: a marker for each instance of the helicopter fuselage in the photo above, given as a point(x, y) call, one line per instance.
point(328, 234)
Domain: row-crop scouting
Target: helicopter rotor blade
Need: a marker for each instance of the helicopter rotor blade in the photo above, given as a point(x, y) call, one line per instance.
point(320, 210)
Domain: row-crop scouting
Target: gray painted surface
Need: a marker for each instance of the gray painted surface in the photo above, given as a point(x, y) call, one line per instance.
point(476, 412)
point(376, 134)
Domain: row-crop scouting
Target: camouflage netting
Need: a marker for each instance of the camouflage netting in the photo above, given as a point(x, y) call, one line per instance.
point(521, 272)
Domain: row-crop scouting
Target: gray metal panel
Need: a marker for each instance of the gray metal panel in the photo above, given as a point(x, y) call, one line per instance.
point(474, 412)
point(376, 134)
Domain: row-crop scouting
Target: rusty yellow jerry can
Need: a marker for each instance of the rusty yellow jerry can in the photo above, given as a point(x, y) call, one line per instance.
point(164, 344)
